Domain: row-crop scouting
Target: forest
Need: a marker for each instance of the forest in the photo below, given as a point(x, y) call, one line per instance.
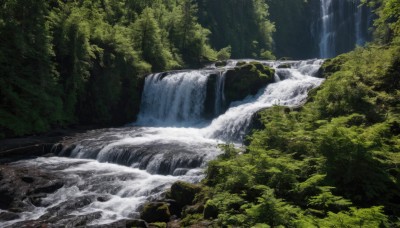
point(83, 62)
point(333, 161)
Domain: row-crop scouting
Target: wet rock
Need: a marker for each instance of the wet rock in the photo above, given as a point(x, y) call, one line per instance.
point(184, 193)
point(128, 223)
point(241, 63)
point(155, 212)
point(174, 207)
point(50, 187)
point(284, 66)
point(158, 225)
point(220, 63)
point(246, 80)
point(62, 221)
point(194, 209)
point(27, 179)
point(209, 102)
point(103, 198)
point(21, 183)
point(8, 216)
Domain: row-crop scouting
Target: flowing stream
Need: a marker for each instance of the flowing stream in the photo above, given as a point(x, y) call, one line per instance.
point(110, 173)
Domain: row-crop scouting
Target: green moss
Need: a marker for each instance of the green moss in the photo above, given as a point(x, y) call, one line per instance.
point(246, 80)
point(191, 220)
point(158, 225)
point(155, 212)
point(184, 193)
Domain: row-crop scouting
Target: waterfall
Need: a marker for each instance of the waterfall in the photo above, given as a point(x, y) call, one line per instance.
point(109, 173)
point(173, 99)
point(343, 25)
point(290, 89)
point(326, 44)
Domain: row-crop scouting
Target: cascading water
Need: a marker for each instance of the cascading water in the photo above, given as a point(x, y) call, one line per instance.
point(326, 45)
point(343, 25)
point(172, 140)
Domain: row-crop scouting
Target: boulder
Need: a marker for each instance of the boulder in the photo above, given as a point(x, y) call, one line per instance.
point(220, 63)
point(158, 225)
point(8, 216)
point(184, 193)
point(284, 66)
point(18, 184)
point(330, 66)
point(128, 223)
point(209, 102)
point(241, 63)
point(194, 209)
point(155, 212)
point(210, 210)
point(246, 80)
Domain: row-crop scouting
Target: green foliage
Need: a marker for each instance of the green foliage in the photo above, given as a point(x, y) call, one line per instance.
point(332, 163)
point(83, 62)
point(368, 218)
point(242, 24)
point(388, 22)
point(29, 92)
point(224, 53)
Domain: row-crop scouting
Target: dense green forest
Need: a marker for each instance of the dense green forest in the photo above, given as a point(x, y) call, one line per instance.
point(83, 62)
point(332, 163)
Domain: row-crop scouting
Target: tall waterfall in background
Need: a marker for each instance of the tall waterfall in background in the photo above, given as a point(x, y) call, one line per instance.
point(326, 46)
point(343, 25)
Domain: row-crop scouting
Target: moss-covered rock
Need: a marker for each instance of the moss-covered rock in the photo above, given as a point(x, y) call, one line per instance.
point(331, 66)
point(155, 212)
point(158, 225)
point(284, 66)
point(194, 209)
point(246, 80)
point(184, 193)
point(210, 210)
point(241, 63)
point(220, 63)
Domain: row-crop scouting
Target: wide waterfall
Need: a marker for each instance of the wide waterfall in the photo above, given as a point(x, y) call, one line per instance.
point(110, 173)
point(343, 25)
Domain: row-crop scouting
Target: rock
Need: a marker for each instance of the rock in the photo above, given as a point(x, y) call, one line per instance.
point(49, 187)
point(209, 102)
point(195, 209)
point(210, 210)
point(284, 66)
point(184, 193)
point(220, 63)
point(330, 66)
point(158, 225)
point(8, 216)
point(103, 198)
point(155, 212)
point(18, 184)
point(174, 207)
point(27, 179)
point(128, 223)
point(136, 223)
point(246, 80)
point(241, 63)
point(74, 221)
